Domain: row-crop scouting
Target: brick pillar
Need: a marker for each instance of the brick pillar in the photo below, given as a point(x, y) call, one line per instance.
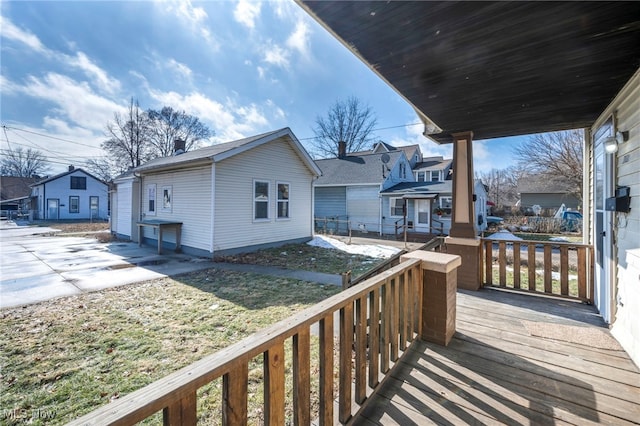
point(439, 277)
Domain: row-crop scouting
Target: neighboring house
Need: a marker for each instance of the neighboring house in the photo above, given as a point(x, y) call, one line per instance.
point(549, 194)
point(376, 191)
point(230, 197)
point(15, 195)
point(74, 194)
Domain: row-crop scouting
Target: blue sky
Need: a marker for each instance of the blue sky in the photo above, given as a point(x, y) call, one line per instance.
point(242, 67)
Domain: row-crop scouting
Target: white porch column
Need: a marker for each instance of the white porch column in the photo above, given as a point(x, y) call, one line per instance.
point(463, 239)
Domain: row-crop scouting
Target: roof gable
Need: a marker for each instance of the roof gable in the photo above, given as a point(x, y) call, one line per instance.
point(68, 172)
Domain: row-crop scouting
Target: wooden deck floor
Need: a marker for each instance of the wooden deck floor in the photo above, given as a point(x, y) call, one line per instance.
point(495, 372)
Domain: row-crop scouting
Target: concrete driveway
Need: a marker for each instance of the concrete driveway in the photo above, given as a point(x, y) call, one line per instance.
point(36, 266)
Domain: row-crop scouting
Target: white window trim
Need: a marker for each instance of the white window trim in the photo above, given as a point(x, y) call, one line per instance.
point(147, 198)
point(288, 201)
point(253, 200)
point(77, 209)
point(166, 205)
point(391, 204)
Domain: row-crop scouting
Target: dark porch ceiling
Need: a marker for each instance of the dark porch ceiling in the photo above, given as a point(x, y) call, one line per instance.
point(495, 68)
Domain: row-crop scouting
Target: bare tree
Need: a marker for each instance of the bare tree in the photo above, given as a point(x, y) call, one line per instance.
point(557, 156)
point(349, 121)
point(502, 185)
point(103, 169)
point(128, 143)
point(23, 163)
point(168, 124)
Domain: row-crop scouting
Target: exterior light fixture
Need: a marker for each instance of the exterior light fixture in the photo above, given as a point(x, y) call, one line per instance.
point(612, 142)
point(610, 145)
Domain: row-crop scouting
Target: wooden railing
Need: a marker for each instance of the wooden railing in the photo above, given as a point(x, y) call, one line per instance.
point(377, 320)
point(552, 268)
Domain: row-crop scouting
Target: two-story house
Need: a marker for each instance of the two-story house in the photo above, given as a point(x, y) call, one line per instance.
point(385, 189)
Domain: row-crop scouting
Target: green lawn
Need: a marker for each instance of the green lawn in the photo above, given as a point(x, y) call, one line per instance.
point(66, 357)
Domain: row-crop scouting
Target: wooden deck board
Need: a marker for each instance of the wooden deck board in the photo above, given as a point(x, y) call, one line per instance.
point(494, 372)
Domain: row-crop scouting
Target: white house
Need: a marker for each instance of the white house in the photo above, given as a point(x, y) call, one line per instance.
point(74, 194)
point(231, 197)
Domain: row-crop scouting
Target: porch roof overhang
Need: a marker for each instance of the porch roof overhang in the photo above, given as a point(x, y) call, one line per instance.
point(495, 68)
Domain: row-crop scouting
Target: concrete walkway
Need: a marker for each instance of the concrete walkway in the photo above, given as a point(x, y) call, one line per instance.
point(36, 266)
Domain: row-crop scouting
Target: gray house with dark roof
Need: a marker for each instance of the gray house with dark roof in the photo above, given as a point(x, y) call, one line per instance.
point(377, 191)
point(231, 197)
point(549, 194)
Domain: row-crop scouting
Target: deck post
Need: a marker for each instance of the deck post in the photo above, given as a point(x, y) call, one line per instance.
point(463, 236)
point(439, 285)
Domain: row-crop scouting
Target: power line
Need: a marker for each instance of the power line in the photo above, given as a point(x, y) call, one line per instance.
point(49, 136)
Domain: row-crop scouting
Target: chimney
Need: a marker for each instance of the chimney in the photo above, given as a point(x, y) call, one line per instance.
point(71, 168)
point(178, 146)
point(342, 149)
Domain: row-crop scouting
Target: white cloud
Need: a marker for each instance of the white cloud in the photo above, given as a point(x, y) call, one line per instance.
point(194, 18)
point(276, 55)
point(277, 112)
point(246, 13)
point(11, 32)
point(179, 68)
point(100, 77)
point(74, 100)
point(299, 38)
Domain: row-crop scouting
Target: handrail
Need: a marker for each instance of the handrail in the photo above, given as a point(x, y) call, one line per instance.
point(546, 258)
point(390, 299)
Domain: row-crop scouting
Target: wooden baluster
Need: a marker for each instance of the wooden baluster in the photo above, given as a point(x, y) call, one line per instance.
point(234, 395)
point(274, 385)
point(417, 300)
point(182, 412)
point(385, 326)
point(361, 350)
point(403, 313)
point(301, 378)
point(548, 264)
point(488, 262)
point(564, 270)
point(326, 370)
point(346, 349)
point(502, 263)
point(393, 320)
point(582, 272)
point(531, 260)
point(516, 265)
point(374, 337)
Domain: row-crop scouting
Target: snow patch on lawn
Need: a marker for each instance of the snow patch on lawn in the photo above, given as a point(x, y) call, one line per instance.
point(371, 250)
point(505, 236)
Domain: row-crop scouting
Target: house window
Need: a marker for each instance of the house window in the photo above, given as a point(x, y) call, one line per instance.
point(445, 205)
point(74, 204)
point(397, 206)
point(283, 201)
point(78, 182)
point(435, 175)
point(403, 171)
point(151, 199)
point(421, 177)
point(260, 200)
point(167, 198)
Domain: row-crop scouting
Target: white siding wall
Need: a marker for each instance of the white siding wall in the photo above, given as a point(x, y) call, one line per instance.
point(123, 217)
point(363, 207)
point(273, 162)
point(626, 327)
point(190, 204)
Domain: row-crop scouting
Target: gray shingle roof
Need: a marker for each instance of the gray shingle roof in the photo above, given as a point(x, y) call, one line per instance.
point(432, 164)
point(354, 169)
point(542, 184)
point(201, 154)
